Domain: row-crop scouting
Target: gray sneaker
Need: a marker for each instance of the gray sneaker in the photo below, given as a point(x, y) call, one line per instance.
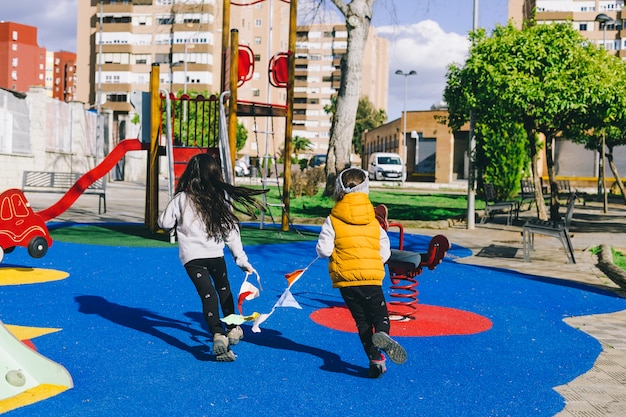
point(229, 356)
point(235, 335)
point(393, 349)
point(220, 344)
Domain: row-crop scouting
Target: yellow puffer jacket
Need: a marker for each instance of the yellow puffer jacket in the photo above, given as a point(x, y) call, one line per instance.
point(356, 257)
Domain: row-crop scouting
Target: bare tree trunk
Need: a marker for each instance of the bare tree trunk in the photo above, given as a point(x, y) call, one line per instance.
point(554, 189)
point(618, 180)
point(532, 142)
point(358, 14)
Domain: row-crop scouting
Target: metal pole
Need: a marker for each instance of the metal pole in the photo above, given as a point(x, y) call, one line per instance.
point(602, 160)
point(99, 124)
point(403, 144)
point(471, 193)
point(603, 19)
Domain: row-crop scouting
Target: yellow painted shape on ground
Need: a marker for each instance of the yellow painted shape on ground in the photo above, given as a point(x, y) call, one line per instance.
point(16, 276)
point(31, 396)
point(27, 333)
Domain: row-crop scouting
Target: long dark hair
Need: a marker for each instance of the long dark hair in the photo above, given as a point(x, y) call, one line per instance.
point(213, 198)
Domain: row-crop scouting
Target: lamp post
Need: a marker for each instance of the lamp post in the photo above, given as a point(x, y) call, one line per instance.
point(603, 20)
point(172, 66)
point(403, 144)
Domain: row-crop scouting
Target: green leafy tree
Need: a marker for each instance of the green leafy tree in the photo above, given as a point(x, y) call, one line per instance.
point(543, 77)
point(367, 118)
point(605, 122)
point(196, 120)
point(300, 144)
point(242, 136)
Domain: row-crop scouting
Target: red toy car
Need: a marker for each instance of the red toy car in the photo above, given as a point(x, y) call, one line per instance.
point(20, 226)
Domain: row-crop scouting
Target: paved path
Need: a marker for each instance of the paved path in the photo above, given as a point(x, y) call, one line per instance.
point(599, 392)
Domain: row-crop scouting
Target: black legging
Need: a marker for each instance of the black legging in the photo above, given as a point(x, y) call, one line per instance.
point(369, 310)
point(208, 274)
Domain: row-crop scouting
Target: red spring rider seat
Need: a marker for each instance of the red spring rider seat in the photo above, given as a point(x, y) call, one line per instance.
point(404, 266)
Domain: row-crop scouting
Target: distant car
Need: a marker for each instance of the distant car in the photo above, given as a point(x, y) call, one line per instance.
point(317, 160)
point(242, 169)
point(20, 226)
point(386, 166)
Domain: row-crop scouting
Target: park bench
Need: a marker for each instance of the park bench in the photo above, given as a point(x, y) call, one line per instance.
point(61, 182)
point(565, 190)
point(558, 229)
point(494, 206)
point(527, 194)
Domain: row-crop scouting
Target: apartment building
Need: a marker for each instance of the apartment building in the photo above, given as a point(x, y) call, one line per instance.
point(63, 75)
point(319, 49)
point(125, 38)
point(120, 41)
point(22, 61)
point(583, 14)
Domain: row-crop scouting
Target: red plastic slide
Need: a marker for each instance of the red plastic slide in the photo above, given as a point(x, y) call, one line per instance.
point(90, 177)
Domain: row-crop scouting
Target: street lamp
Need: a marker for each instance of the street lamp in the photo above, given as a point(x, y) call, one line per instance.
point(603, 20)
point(406, 75)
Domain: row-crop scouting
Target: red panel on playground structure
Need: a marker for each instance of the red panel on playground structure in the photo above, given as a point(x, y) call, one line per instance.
point(279, 70)
point(246, 64)
point(182, 155)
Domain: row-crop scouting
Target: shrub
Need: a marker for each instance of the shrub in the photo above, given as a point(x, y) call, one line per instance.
point(307, 182)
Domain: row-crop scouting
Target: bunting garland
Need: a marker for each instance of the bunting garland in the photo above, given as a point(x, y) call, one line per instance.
point(248, 291)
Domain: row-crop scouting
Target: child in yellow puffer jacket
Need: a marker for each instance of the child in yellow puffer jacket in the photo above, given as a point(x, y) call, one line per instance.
point(357, 248)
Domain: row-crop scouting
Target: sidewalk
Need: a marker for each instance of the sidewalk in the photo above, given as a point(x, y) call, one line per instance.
point(601, 391)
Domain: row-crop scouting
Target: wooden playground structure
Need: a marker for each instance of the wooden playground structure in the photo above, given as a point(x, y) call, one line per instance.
point(180, 127)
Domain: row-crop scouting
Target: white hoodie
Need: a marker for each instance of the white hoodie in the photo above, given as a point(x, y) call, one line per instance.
point(193, 242)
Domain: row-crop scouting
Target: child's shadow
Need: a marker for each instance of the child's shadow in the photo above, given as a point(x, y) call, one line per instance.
point(145, 321)
point(273, 339)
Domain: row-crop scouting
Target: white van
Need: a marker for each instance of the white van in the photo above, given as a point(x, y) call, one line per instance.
point(386, 166)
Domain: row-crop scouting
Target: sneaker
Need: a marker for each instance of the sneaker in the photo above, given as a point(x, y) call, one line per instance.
point(235, 335)
point(377, 367)
point(220, 344)
point(393, 349)
point(229, 356)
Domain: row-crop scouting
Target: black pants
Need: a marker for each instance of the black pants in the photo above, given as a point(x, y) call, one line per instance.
point(207, 275)
point(369, 310)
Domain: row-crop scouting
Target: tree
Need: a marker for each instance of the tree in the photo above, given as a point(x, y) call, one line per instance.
point(300, 144)
point(242, 136)
point(543, 77)
point(367, 118)
point(358, 14)
point(606, 121)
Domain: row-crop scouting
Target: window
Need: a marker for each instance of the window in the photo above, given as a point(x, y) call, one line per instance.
point(257, 40)
point(116, 98)
point(14, 47)
point(257, 57)
point(141, 58)
point(162, 59)
point(258, 22)
point(256, 92)
point(169, 20)
point(582, 27)
point(14, 62)
point(14, 75)
point(14, 35)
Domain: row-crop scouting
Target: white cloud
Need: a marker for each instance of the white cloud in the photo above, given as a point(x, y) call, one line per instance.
point(55, 21)
point(427, 49)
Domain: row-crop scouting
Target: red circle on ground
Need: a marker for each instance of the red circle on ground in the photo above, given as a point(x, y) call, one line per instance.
point(428, 321)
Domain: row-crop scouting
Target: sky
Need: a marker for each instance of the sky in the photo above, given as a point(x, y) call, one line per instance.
point(424, 36)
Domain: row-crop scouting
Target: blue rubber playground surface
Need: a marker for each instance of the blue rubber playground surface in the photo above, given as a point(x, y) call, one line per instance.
point(134, 341)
